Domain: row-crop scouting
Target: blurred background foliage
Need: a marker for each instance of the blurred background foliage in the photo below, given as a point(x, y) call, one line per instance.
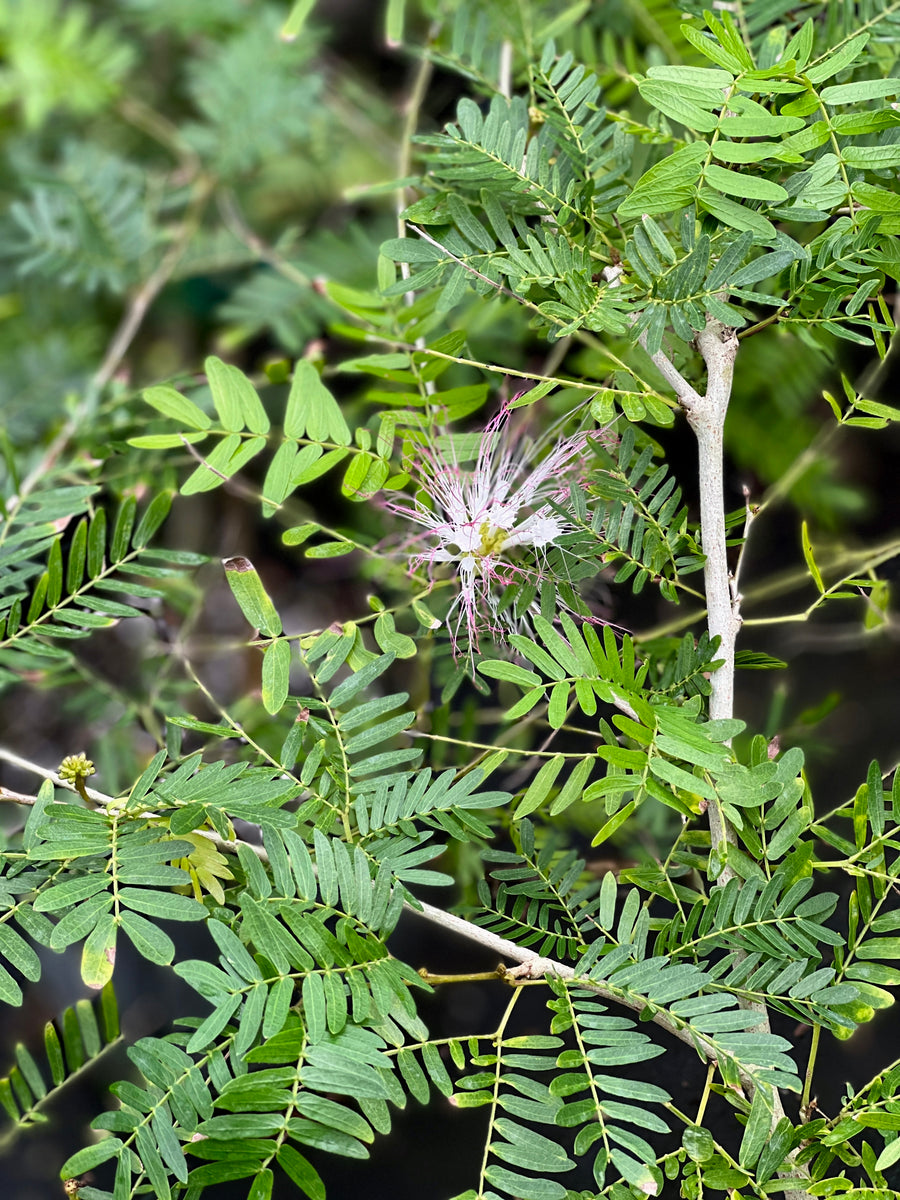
point(186, 160)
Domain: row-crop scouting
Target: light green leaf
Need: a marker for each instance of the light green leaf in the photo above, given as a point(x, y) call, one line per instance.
point(276, 671)
point(290, 31)
point(606, 831)
point(573, 787)
point(226, 459)
point(98, 956)
point(810, 560)
point(698, 1143)
point(863, 89)
point(299, 534)
point(832, 63)
point(872, 158)
point(71, 892)
point(330, 550)
point(235, 398)
point(715, 52)
point(278, 482)
point(749, 187)
point(759, 1126)
point(738, 216)
point(164, 441)
point(889, 1155)
point(759, 125)
point(318, 465)
point(250, 594)
point(540, 786)
point(172, 404)
point(705, 77)
point(210, 1029)
point(364, 476)
point(312, 411)
point(390, 641)
point(677, 777)
point(668, 185)
point(679, 104)
point(523, 1187)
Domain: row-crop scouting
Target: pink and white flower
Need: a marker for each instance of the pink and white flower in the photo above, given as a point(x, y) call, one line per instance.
point(492, 520)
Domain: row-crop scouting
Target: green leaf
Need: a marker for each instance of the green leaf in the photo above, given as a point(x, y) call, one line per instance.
point(290, 31)
point(330, 550)
point(863, 89)
point(279, 480)
point(698, 1142)
point(749, 187)
point(301, 1172)
point(573, 788)
point(77, 555)
point(234, 951)
point(98, 955)
point(251, 596)
point(889, 1155)
point(732, 61)
point(679, 778)
point(872, 158)
point(412, 250)
point(669, 185)
point(172, 404)
point(164, 441)
point(121, 531)
point(832, 63)
point(153, 517)
point(90, 1157)
point(71, 892)
point(540, 786)
point(705, 77)
point(810, 560)
point(148, 939)
point(229, 456)
point(737, 216)
point(619, 818)
point(165, 906)
point(758, 1128)
point(236, 400)
point(679, 103)
point(54, 575)
point(312, 411)
point(760, 125)
point(364, 477)
point(299, 534)
point(276, 671)
point(261, 1188)
point(523, 1187)
point(879, 948)
point(390, 641)
point(210, 1029)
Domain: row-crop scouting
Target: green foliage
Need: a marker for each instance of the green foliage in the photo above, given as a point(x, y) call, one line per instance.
point(75, 1042)
point(623, 188)
point(88, 227)
point(254, 96)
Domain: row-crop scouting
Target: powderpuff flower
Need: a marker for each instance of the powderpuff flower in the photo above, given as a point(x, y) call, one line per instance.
point(494, 520)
